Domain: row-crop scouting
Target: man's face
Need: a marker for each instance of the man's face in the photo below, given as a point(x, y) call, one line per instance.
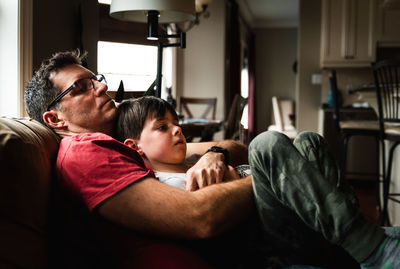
point(90, 110)
point(162, 141)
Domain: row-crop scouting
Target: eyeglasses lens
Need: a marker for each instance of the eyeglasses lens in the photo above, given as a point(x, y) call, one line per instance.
point(101, 78)
point(85, 84)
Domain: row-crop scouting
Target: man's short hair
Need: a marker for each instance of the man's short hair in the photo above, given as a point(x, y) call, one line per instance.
point(133, 113)
point(40, 90)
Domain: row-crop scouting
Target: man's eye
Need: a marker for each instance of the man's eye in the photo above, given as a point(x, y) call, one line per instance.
point(84, 85)
point(83, 88)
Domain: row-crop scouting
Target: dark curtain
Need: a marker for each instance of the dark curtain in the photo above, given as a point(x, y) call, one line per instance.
point(232, 48)
point(233, 64)
point(252, 88)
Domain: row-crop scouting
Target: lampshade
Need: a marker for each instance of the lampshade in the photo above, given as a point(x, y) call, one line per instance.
point(136, 10)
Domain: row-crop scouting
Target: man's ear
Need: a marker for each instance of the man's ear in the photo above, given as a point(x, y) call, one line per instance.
point(133, 144)
point(51, 118)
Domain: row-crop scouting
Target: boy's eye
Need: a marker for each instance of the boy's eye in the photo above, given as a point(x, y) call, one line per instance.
point(162, 127)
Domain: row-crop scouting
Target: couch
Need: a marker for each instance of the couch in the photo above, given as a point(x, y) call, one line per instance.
point(29, 237)
point(27, 151)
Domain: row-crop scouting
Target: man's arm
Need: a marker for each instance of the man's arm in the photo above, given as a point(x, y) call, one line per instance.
point(210, 169)
point(238, 151)
point(158, 209)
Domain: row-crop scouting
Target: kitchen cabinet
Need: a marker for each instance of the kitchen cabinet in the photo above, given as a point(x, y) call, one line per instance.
point(348, 33)
point(388, 25)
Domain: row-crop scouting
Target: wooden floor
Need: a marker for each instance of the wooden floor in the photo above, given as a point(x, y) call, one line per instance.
point(368, 203)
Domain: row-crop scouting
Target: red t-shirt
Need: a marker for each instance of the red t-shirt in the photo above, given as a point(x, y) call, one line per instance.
point(94, 166)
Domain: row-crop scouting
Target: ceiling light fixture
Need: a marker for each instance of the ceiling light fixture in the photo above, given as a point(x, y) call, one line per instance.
point(154, 12)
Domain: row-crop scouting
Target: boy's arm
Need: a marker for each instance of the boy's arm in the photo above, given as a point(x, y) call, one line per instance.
point(158, 209)
point(210, 169)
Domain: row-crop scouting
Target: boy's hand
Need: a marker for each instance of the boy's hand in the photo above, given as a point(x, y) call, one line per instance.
point(210, 169)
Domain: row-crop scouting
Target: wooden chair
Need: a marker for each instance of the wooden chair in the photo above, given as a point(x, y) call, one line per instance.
point(209, 103)
point(387, 83)
point(232, 124)
point(283, 111)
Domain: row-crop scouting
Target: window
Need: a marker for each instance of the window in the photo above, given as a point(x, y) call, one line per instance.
point(134, 64)
point(125, 54)
point(15, 55)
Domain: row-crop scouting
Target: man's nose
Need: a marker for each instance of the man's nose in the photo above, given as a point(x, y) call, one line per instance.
point(100, 88)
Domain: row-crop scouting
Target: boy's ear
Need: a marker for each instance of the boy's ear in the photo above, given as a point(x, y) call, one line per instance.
point(52, 119)
point(133, 144)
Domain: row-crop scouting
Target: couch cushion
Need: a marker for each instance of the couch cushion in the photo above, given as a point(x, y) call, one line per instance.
point(27, 151)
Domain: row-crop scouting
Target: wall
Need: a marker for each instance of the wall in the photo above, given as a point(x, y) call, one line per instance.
point(308, 96)
point(56, 28)
point(276, 50)
point(347, 78)
point(200, 66)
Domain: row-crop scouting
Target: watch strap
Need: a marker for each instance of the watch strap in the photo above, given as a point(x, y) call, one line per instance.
point(220, 150)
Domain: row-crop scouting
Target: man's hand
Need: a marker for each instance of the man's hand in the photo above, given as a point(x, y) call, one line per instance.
point(210, 169)
point(231, 174)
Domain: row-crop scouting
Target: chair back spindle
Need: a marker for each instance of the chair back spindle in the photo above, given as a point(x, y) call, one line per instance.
point(387, 81)
point(210, 103)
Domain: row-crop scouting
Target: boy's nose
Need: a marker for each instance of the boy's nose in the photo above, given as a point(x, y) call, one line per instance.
point(177, 129)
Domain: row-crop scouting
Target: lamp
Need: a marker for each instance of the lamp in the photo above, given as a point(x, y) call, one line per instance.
point(154, 12)
point(201, 10)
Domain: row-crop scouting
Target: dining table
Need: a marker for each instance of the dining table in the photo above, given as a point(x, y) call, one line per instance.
point(201, 128)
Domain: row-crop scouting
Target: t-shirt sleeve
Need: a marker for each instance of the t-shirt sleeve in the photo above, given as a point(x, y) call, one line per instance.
point(95, 167)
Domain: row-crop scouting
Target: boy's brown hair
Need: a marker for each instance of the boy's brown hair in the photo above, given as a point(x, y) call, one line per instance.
point(133, 113)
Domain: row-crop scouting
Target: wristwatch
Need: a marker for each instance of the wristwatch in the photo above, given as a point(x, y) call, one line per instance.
point(220, 150)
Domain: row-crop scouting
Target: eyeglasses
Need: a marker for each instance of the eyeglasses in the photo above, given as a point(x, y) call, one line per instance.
point(83, 85)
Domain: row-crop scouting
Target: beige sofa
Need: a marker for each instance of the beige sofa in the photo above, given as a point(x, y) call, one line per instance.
point(27, 151)
point(27, 236)
point(31, 234)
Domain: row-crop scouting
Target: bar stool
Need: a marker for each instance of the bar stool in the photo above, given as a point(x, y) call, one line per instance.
point(350, 128)
point(387, 83)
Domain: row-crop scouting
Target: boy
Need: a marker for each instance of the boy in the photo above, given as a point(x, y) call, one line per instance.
point(151, 127)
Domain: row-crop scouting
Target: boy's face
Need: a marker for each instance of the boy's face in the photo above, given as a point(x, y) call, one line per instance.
point(162, 141)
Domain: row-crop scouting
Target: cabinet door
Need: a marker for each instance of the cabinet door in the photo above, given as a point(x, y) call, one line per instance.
point(347, 33)
point(388, 32)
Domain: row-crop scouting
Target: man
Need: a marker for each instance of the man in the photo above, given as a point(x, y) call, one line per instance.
point(88, 109)
point(295, 186)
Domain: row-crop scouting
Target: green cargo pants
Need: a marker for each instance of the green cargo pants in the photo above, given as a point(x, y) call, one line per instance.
point(299, 197)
